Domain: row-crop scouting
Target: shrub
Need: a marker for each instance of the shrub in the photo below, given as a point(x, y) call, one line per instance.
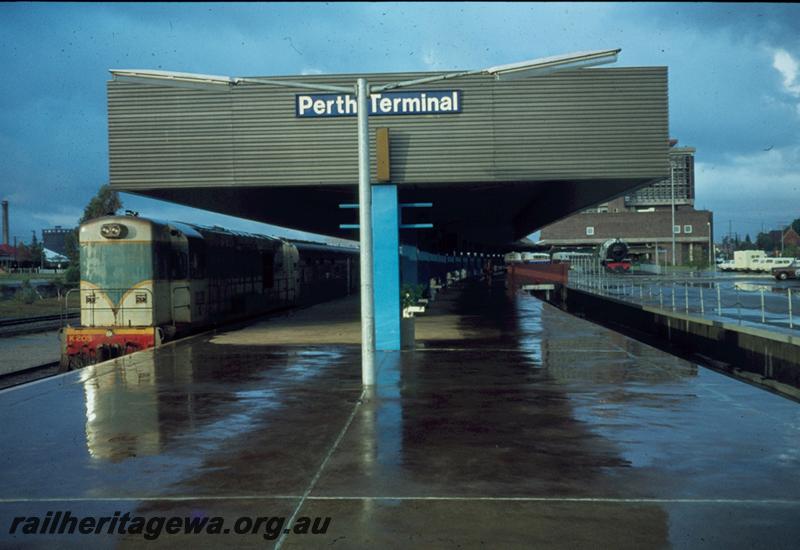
point(26, 293)
point(72, 274)
point(698, 263)
point(410, 295)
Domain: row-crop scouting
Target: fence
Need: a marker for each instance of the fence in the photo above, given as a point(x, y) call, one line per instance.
point(694, 294)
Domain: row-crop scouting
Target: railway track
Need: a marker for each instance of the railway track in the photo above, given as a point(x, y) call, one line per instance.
point(16, 321)
point(28, 375)
point(41, 323)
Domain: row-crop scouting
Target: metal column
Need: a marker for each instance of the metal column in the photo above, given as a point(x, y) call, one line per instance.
point(386, 262)
point(365, 239)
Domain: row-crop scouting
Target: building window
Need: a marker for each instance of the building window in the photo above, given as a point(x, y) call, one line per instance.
point(589, 230)
point(687, 228)
point(676, 229)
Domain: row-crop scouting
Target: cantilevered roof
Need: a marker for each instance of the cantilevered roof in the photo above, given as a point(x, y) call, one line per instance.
point(516, 156)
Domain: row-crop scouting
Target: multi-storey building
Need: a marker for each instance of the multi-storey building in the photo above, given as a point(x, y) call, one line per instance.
point(55, 239)
point(643, 218)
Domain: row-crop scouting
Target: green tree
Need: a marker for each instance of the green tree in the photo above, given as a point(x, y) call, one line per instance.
point(699, 262)
point(60, 287)
point(765, 242)
point(72, 274)
point(26, 293)
point(29, 255)
point(727, 246)
point(36, 251)
point(71, 247)
point(105, 203)
point(796, 225)
point(737, 244)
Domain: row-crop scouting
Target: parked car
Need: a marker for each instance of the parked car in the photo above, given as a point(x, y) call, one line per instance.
point(768, 264)
point(791, 271)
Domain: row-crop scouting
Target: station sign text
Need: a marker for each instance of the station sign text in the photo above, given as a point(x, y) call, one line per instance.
point(439, 102)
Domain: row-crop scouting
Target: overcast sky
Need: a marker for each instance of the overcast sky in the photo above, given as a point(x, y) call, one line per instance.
point(734, 81)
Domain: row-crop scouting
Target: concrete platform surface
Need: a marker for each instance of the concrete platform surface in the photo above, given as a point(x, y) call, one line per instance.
point(511, 424)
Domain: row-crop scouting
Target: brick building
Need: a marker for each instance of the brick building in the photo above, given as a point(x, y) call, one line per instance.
point(643, 219)
point(791, 238)
point(8, 257)
point(781, 239)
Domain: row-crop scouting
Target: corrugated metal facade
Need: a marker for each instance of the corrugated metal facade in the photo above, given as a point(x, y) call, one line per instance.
point(592, 124)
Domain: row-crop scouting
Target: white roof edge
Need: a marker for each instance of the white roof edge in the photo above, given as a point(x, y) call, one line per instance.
point(186, 77)
point(556, 60)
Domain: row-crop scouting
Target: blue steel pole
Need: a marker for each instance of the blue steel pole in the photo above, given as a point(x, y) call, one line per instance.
point(365, 238)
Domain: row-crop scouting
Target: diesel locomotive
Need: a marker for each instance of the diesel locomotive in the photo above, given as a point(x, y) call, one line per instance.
point(144, 282)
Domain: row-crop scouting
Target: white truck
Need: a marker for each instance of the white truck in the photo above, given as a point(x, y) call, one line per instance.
point(748, 260)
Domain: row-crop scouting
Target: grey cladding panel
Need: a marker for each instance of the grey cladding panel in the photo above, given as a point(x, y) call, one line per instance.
point(576, 125)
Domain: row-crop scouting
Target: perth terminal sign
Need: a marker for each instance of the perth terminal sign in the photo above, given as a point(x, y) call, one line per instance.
point(438, 102)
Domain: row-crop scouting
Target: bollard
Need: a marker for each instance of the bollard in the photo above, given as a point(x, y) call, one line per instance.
point(661, 297)
point(719, 302)
point(763, 319)
point(791, 325)
point(641, 293)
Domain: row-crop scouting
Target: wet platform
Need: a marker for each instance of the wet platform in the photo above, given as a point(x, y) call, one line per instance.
point(511, 424)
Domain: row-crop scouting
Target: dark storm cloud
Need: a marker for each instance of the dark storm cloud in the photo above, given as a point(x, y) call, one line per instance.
point(726, 98)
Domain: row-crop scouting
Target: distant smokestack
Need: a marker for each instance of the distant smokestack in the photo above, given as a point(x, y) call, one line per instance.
point(5, 222)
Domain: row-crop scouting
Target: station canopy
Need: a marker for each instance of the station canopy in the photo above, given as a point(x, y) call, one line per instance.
point(498, 159)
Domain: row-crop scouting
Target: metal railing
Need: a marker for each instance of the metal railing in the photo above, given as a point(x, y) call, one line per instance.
point(696, 294)
point(91, 306)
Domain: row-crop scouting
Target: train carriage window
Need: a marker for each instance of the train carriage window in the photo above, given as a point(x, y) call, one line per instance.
point(268, 269)
point(197, 260)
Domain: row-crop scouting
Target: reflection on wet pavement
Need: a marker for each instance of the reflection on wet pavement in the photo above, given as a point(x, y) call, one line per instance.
point(515, 424)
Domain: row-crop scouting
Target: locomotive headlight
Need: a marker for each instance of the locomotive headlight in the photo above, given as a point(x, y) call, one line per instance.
point(113, 230)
